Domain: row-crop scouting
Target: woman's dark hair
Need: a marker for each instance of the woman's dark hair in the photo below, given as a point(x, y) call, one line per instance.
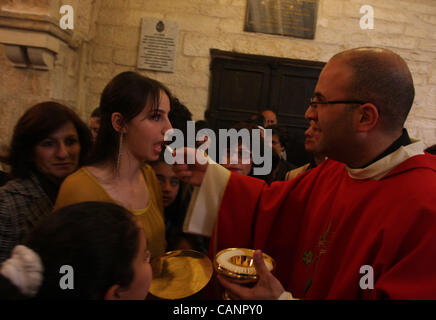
point(179, 115)
point(98, 240)
point(35, 125)
point(128, 94)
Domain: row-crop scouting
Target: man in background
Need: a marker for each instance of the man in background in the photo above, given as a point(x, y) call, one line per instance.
point(270, 117)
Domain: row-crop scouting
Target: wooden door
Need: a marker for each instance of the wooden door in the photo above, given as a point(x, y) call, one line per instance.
point(243, 85)
point(291, 90)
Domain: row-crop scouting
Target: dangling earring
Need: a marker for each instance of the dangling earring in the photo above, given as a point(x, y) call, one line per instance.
point(120, 145)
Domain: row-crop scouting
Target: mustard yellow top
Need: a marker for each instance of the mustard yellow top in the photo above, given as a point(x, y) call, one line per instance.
point(81, 186)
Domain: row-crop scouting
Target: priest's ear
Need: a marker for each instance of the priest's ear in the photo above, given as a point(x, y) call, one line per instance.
point(366, 117)
point(118, 124)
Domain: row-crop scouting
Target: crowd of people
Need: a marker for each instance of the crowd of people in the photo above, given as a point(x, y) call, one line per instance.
point(101, 198)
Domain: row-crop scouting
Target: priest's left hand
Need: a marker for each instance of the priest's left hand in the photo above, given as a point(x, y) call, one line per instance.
point(267, 287)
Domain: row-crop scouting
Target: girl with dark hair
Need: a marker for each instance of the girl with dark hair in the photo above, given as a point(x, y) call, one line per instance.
point(134, 118)
point(176, 196)
point(103, 245)
point(49, 142)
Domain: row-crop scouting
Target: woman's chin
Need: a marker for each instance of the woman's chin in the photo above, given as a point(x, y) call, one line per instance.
point(150, 157)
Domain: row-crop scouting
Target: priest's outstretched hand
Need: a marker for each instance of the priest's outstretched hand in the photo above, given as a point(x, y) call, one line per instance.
point(267, 287)
point(190, 165)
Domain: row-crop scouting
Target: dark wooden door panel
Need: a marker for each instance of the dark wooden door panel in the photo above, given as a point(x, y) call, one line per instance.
point(242, 85)
point(237, 90)
point(292, 87)
point(293, 95)
point(243, 90)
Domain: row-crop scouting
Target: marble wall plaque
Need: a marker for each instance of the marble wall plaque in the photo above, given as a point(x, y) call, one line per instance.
point(158, 44)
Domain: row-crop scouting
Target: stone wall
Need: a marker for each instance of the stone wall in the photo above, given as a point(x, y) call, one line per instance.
point(110, 31)
point(23, 87)
point(407, 27)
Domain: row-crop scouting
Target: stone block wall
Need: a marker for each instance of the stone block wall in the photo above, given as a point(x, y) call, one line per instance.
point(110, 31)
point(407, 27)
point(21, 88)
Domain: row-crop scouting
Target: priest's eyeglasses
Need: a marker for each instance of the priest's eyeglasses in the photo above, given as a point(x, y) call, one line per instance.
point(314, 104)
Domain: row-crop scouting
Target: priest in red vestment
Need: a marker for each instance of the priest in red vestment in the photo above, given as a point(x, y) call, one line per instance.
point(362, 224)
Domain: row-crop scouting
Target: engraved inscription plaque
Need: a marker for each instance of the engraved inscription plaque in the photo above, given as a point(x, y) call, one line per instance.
point(296, 18)
point(158, 43)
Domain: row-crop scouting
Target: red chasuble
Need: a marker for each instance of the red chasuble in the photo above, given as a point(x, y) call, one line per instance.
point(324, 226)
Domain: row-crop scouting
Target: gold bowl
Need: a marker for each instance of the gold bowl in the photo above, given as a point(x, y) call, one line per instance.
point(237, 265)
point(180, 274)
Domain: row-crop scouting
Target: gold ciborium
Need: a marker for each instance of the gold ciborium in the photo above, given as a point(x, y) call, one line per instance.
point(237, 265)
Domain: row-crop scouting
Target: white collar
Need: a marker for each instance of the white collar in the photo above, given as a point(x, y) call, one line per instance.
point(381, 167)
